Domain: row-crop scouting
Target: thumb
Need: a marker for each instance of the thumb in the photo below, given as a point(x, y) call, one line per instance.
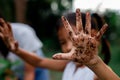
point(14, 46)
point(62, 56)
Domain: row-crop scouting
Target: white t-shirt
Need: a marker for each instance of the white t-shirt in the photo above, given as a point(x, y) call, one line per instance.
point(26, 37)
point(27, 40)
point(83, 73)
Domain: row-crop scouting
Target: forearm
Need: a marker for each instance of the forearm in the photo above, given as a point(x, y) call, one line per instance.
point(29, 76)
point(103, 71)
point(36, 61)
point(29, 57)
point(29, 72)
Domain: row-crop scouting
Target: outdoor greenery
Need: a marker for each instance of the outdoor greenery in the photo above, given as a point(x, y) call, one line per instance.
point(42, 15)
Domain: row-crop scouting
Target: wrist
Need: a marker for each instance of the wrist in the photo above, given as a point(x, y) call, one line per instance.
point(94, 62)
point(14, 47)
point(16, 51)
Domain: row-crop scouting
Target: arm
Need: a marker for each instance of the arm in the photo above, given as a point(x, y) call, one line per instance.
point(7, 36)
point(29, 72)
point(103, 71)
point(36, 61)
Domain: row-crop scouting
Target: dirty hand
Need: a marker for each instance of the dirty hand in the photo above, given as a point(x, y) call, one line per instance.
point(85, 46)
point(7, 35)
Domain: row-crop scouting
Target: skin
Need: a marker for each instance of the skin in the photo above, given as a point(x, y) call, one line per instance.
point(64, 40)
point(7, 36)
point(29, 72)
point(84, 48)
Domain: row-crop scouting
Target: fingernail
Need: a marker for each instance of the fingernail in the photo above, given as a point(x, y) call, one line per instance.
point(78, 10)
point(1, 19)
point(88, 13)
point(63, 18)
point(106, 24)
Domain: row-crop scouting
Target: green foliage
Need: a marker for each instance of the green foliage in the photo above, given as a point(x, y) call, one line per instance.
point(7, 9)
point(42, 15)
point(115, 59)
point(113, 18)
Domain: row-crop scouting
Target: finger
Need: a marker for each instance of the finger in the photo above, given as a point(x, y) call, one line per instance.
point(78, 21)
point(62, 56)
point(16, 44)
point(9, 26)
point(102, 31)
point(68, 27)
point(88, 24)
point(1, 35)
point(1, 29)
point(3, 24)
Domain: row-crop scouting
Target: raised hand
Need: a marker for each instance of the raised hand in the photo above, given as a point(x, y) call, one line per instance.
point(7, 35)
point(85, 46)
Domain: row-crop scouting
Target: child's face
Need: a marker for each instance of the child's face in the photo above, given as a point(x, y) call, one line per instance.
point(64, 39)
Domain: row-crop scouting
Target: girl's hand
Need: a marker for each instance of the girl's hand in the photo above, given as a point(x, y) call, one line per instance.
point(85, 46)
point(7, 35)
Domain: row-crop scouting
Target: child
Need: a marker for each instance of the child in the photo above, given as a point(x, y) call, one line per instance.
point(79, 46)
point(27, 40)
point(88, 55)
point(66, 45)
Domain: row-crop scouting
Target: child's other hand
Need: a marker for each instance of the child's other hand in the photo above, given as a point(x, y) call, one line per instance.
point(7, 35)
point(85, 46)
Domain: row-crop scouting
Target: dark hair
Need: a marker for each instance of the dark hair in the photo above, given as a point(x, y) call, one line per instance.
point(96, 23)
point(71, 17)
point(3, 48)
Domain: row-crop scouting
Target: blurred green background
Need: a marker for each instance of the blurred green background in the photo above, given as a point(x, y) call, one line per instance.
point(42, 16)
